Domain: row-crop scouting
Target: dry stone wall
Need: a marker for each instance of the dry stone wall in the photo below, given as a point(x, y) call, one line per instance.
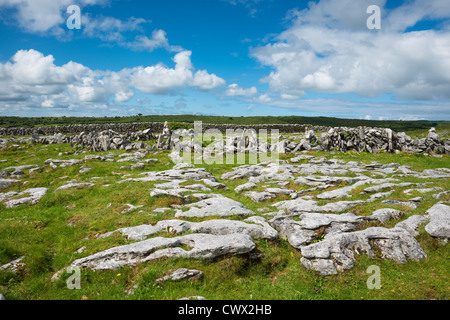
point(152, 127)
point(102, 137)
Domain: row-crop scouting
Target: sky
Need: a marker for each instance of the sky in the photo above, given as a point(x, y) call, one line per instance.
point(335, 58)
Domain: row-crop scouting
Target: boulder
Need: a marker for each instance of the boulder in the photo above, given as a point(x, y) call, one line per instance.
point(439, 225)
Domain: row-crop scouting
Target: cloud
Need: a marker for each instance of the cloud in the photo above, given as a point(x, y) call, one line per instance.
point(32, 80)
point(410, 13)
point(328, 49)
point(263, 99)
point(204, 81)
point(48, 17)
point(110, 29)
point(158, 40)
point(160, 79)
point(235, 91)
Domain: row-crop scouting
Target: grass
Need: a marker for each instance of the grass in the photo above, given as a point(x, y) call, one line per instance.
point(49, 234)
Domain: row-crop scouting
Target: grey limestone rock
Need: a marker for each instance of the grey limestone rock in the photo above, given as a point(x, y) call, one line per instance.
point(259, 196)
point(245, 186)
point(34, 195)
point(412, 223)
point(338, 251)
point(75, 185)
point(181, 274)
point(300, 205)
point(439, 225)
point(203, 246)
point(6, 183)
point(215, 206)
point(255, 226)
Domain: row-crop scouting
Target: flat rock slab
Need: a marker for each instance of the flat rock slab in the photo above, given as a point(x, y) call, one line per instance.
point(181, 274)
point(392, 202)
point(174, 174)
point(34, 195)
point(245, 186)
point(337, 251)
point(6, 183)
point(203, 246)
point(385, 214)
point(14, 265)
point(75, 185)
point(300, 205)
point(215, 206)
point(63, 163)
point(259, 196)
point(257, 228)
point(344, 192)
point(260, 230)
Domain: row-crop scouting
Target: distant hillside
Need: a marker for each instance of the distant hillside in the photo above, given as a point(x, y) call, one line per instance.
point(319, 121)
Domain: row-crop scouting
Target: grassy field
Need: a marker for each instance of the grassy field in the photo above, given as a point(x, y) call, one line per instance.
point(49, 234)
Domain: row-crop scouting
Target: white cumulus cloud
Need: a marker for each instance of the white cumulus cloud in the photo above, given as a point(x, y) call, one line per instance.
point(235, 91)
point(31, 80)
point(160, 79)
point(328, 49)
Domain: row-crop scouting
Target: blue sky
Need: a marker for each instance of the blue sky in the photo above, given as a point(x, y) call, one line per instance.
point(226, 57)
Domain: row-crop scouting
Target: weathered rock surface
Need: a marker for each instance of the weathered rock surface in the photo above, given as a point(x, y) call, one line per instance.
point(181, 274)
point(34, 195)
point(257, 227)
point(203, 246)
point(312, 225)
point(259, 196)
point(300, 205)
point(75, 185)
point(439, 226)
point(245, 186)
point(412, 223)
point(386, 214)
point(216, 206)
point(6, 183)
point(337, 251)
point(14, 265)
point(174, 174)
